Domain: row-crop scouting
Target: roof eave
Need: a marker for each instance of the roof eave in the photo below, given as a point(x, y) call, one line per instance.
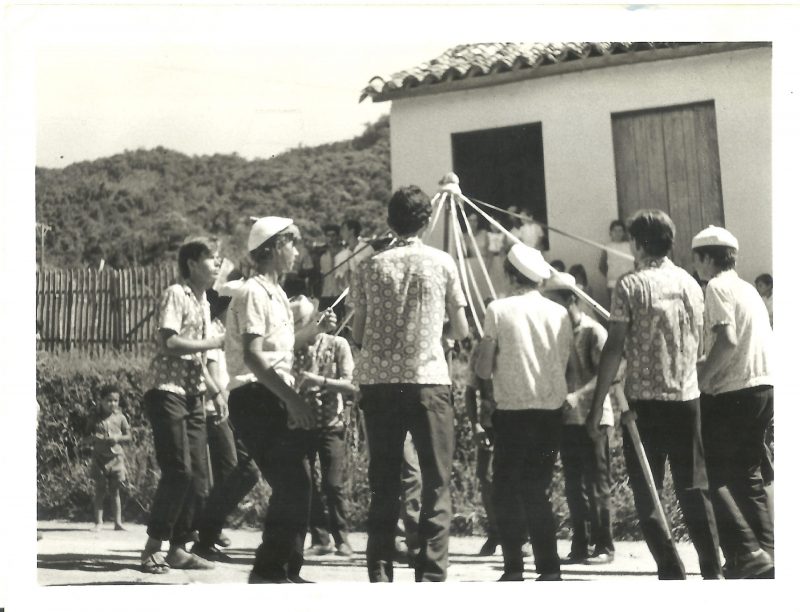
point(588, 63)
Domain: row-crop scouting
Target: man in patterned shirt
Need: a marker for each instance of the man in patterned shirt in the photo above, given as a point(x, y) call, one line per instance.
point(401, 296)
point(657, 321)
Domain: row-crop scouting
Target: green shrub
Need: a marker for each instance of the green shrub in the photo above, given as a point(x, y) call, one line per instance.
point(67, 390)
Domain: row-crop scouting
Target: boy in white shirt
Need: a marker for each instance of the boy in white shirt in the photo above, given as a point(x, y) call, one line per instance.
point(735, 379)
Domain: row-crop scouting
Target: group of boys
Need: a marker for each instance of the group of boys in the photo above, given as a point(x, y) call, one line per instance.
point(543, 367)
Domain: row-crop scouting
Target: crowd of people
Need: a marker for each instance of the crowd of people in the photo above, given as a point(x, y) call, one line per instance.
point(255, 377)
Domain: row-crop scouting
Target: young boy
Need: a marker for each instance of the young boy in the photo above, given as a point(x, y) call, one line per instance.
point(107, 431)
point(736, 404)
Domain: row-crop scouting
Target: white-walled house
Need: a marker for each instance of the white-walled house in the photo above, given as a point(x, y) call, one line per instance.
point(584, 133)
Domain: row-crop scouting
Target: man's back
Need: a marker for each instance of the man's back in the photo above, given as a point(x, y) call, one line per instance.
point(404, 291)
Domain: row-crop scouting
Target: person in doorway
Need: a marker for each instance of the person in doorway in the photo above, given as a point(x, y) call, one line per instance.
point(612, 264)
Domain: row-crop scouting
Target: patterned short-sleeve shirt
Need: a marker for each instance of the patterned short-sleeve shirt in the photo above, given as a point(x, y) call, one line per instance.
point(662, 306)
point(404, 292)
point(330, 357)
point(180, 311)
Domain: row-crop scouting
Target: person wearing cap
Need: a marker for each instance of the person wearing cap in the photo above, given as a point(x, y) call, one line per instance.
point(400, 296)
point(173, 404)
point(524, 350)
point(735, 379)
point(234, 471)
point(586, 460)
point(267, 413)
point(657, 322)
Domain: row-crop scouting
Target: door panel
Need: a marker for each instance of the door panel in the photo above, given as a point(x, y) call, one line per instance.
point(668, 159)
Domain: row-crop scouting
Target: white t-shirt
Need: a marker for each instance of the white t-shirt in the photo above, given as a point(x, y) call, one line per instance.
point(534, 338)
point(732, 301)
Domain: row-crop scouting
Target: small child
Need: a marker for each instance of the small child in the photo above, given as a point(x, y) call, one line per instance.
point(764, 288)
point(107, 430)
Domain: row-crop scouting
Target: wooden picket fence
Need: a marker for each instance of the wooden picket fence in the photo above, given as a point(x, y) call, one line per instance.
point(94, 311)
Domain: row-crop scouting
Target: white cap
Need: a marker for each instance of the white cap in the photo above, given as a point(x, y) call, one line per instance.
point(264, 229)
point(715, 236)
point(559, 281)
point(529, 261)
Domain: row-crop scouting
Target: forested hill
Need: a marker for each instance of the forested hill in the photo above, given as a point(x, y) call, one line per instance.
point(135, 208)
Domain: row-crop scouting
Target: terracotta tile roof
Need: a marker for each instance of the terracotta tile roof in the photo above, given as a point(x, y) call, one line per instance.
point(474, 61)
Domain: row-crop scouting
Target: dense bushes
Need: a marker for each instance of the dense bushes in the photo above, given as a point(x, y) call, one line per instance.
point(68, 388)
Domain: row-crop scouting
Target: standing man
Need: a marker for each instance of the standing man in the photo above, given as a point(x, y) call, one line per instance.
point(735, 379)
point(524, 350)
point(268, 415)
point(356, 250)
point(331, 285)
point(401, 296)
point(586, 460)
point(657, 321)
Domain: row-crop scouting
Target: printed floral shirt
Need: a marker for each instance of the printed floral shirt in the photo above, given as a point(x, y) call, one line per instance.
point(403, 292)
point(663, 308)
point(190, 318)
point(330, 357)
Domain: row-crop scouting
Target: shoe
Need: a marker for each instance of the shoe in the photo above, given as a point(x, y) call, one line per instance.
point(344, 550)
point(549, 577)
point(600, 558)
point(576, 557)
point(527, 550)
point(154, 563)
point(119, 527)
point(222, 541)
point(187, 561)
point(318, 550)
point(210, 553)
point(511, 577)
point(298, 580)
point(749, 565)
point(254, 578)
point(488, 549)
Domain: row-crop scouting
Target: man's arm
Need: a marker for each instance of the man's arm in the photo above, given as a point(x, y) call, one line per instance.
point(176, 345)
point(725, 343)
point(484, 362)
point(459, 328)
point(606, 372)
point(300, 413)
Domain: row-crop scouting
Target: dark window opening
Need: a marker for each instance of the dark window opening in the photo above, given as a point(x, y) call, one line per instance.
point(504, 167)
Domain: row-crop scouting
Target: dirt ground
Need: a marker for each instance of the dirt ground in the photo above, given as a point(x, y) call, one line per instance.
point(71, 554)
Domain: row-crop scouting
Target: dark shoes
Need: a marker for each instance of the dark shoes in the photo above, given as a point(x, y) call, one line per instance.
point(223, 541)
point(488, 549)
point(575, 557)
point(317, 550)
point(549, 577)
point(258, 579)
point(757, 564)
point(210, 553)
point(511, 577)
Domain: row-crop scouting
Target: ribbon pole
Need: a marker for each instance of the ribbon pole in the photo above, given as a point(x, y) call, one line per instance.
point(462, 267)
point(458, 236)
point(481, 263)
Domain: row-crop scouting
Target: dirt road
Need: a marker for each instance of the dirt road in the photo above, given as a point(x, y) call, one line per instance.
point(71, 554)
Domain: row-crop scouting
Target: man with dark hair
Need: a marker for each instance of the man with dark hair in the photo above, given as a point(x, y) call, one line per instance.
point(331, 287)
point(735, 379)
point(657, 321)
point(401, 296)
point(356, 250)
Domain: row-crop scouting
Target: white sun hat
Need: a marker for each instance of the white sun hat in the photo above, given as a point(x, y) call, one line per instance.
point(715, 236)
point(560, 281)
point(265, 228)
point(529, 261)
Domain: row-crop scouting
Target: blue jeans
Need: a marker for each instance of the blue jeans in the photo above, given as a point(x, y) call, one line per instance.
point(390, 411)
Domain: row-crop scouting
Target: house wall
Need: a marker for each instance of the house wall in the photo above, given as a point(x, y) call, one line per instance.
point(575, 110)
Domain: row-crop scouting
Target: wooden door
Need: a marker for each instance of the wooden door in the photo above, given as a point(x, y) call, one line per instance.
point(668, 158)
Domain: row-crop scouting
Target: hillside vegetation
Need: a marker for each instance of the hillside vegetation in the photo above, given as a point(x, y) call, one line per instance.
point(136, 207)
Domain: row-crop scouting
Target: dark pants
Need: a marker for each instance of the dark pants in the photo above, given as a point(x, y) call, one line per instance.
point(328, 444)
point(179, 437)
point(525, 451)
point(280, 453)
point(671, 430)
point(427, 412)
point(235, 474)
point(734, 428)
point(483, 472)
point(587, 483)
